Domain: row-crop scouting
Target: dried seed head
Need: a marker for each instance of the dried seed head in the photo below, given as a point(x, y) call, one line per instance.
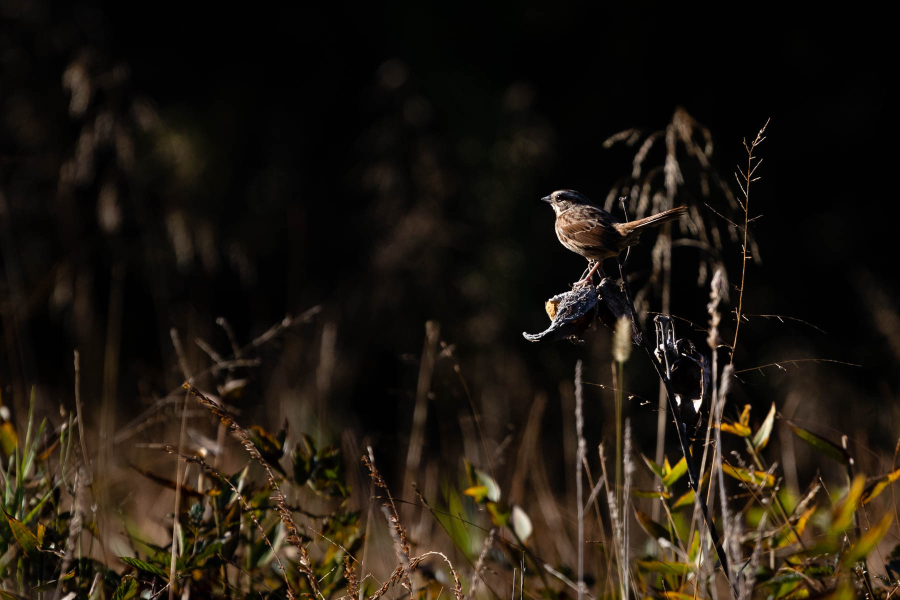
point(622, 340)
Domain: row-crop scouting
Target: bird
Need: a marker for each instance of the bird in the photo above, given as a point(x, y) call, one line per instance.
point(588, 230)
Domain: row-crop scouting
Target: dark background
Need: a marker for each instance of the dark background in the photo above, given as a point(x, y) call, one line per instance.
point(385, 161)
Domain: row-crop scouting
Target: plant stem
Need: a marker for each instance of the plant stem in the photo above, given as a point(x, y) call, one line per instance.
point(617, 372)
point(693, 479)
point(748, 179)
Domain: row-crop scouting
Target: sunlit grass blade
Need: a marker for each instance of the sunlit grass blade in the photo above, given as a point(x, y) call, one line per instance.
point(823, 446)
point(868, 541)
point(842, 515)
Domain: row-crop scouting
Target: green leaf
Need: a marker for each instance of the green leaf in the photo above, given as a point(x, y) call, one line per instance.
point(51, 585)
point(787, 537)
point(27, 540)
point(826, 447)
point(521, 523)
point(695, 548)
point(37, 509)
point(126, 589)
point(765, 430)
point(653, 529)
point(785, 582)
point(206, 553)
point(500, 514)
point(676, 473)
point(842, 515)
point(144, 566)
point(669, 568)
point(760, 478)
point(787, 575)
point(655, 468)
point(686, 499)
point(879, 485)
point(655, 494)
point(867, 542)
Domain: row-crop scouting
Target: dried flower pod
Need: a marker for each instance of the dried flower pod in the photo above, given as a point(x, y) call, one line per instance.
point(576, 311)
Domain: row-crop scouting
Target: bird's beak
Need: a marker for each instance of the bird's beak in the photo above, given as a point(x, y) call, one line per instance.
point(547, 198)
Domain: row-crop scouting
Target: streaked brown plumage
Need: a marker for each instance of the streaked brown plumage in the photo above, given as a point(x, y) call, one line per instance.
point(590, 231)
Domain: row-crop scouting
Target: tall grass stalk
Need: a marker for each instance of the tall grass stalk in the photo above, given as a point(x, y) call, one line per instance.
point(621, 352)
point(579, 470)
point(748, 178)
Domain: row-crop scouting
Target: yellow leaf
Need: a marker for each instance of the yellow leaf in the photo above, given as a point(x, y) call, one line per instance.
point(27, 540)
point(879, 485)
point(789, 538)
point(479, 492)
point(8, 438)
point(736, 429)
point(746, 476)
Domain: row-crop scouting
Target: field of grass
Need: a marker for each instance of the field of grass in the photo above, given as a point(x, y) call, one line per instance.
point(691, 495)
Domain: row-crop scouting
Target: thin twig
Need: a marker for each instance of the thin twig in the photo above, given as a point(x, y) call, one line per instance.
point(78, 412)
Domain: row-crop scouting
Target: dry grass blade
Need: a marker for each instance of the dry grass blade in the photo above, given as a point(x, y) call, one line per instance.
point(402, 572)
point(185, 370)
point(398, 533)
point(479, 564)
point(75, 525)
point(616, 527)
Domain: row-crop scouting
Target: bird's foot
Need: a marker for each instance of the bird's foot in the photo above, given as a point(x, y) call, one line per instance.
point(589, 279)
point(581, 284)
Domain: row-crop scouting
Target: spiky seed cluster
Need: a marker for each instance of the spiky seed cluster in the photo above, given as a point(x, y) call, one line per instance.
point(350, 576)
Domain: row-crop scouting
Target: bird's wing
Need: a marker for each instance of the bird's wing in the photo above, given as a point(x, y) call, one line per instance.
point(592, 231)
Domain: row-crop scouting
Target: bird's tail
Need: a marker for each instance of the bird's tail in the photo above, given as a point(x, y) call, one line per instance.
point(635, 227)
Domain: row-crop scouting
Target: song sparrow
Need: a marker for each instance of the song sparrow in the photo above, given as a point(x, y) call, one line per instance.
point(595, 234)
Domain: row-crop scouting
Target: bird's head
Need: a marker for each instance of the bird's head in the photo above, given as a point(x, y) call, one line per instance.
point(563, 200)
